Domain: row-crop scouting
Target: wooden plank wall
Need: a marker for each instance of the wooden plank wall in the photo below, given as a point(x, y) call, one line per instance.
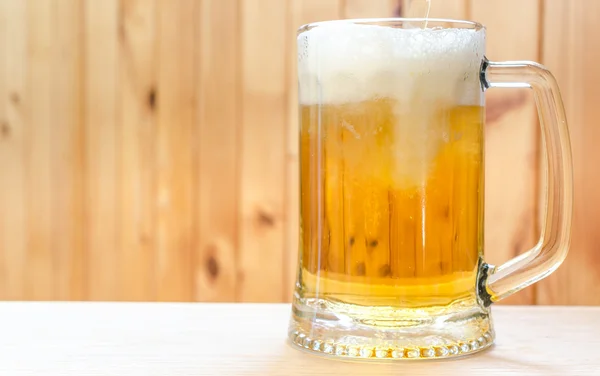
point(571, 48)
point(148, 148)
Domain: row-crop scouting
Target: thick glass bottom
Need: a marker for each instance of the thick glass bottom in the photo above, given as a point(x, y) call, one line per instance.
point(344, 330)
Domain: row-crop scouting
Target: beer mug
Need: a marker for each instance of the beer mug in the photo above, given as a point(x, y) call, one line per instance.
point(391, 251)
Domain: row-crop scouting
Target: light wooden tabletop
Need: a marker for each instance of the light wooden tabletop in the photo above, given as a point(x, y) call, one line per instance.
point(149, 339)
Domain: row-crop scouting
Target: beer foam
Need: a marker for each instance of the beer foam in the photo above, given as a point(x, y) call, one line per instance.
point(342, 62)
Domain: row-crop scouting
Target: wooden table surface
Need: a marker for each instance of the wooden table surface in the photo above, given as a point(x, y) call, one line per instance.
point(194, 339)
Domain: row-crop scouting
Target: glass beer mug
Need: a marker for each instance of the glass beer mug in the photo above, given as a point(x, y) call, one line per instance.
point(392, 189)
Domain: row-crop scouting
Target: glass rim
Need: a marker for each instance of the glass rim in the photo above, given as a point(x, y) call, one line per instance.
point(395, 22)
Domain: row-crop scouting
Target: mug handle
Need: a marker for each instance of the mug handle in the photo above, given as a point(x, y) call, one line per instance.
point(498, 282)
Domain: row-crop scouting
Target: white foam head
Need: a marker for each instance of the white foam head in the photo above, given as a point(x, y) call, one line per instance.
point(342, 62)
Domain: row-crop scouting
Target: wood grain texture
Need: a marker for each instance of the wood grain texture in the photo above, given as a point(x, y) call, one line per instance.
point(68, 253)
point(176, 101)
point(149, 148)
point(447, 9)
point(38, 154)
point(511, 137)
point(415, 8)
point(4, 131)
point(453, 9)
point(571, 50)
point(137, 132)
point(13, 144)
point(264, 122)
point(369, 8)
point(196, 339)
point(301, 12)
point(218, 127)
point(102, 220)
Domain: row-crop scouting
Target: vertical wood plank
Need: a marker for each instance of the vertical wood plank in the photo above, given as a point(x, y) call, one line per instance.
point(13, 215)
point(511, 136)
point(571, 50)
point(413, 8)
point(102, 222)
point(452, 9)
point(301, 12)
point(4, 129)
point(137, 87)
point(67, 152)
point(449, 9)
point(369, 8)
point(39, 121)
point(264, 39)
point(175, 126)
point(217, 132)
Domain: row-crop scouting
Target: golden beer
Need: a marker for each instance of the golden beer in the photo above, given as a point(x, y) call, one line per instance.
point(390, 217)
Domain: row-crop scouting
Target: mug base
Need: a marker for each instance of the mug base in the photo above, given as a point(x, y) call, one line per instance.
point(385, 333)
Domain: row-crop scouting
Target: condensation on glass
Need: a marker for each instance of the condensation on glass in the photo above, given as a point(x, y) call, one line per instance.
point(392, 179)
